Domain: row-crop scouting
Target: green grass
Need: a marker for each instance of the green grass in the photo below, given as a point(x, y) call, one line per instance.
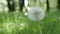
point(49, 25)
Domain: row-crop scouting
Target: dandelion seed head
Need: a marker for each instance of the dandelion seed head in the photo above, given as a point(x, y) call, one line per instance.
point(36, 14)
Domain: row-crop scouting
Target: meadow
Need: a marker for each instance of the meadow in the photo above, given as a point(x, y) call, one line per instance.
point(18, 23)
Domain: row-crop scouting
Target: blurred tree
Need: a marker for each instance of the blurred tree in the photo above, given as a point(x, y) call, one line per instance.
point(47, 5)
point(34, 2)
point(58, 4)
point(21, 4)
point(11, 5)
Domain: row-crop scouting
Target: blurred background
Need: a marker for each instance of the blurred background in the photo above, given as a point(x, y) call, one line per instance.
point(14, 20)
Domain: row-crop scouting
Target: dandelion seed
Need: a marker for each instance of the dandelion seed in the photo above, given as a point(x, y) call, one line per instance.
point(36, 14)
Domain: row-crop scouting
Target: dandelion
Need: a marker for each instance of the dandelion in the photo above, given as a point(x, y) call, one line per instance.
point(36, 13)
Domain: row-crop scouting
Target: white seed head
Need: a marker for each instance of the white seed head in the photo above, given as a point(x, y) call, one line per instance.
point(36, 14)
